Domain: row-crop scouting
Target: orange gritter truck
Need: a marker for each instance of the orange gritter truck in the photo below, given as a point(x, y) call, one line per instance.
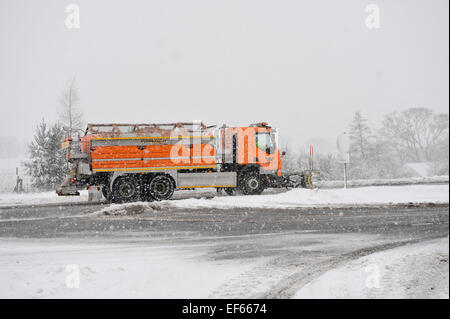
point(132, 162)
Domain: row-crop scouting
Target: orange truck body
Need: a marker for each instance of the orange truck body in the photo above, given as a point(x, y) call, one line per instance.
point(149, 161)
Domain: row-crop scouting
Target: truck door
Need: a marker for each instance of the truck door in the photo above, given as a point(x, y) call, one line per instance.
point(266, 150)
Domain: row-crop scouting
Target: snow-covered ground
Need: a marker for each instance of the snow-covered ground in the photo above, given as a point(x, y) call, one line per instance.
point(379, 182)
point(8, 173)
point(317, 197)
point(45, 269)
point(414, 271)
point(12, 199)
point(64, 269)
point(377, 195)
point(293, 198)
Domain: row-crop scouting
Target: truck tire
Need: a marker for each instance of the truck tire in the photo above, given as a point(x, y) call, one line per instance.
point(106, 193)
point(252, 184)
point(146, 196)
point(161, 187)
point(125, 190)
point(230, 191)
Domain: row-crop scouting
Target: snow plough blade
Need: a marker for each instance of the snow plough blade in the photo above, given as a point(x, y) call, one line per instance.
point(302, 179)
point(60, 193)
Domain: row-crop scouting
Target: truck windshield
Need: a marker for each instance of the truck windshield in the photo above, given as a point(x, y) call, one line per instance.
point(265, 142)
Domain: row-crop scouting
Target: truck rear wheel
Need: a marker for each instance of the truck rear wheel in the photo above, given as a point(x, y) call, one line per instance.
point(252, 184)
point(106, 193)
point(161, 187)
point(125, 189)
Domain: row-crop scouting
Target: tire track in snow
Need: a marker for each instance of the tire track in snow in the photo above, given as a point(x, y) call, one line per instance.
point(251, 283)
point(287, 287)
point(283, 276)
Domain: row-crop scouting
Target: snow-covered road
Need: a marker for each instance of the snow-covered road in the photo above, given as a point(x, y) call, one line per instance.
point(49, 269)
point(412, 271)
point(202, 253)
point(65, 269)
point(274, 245)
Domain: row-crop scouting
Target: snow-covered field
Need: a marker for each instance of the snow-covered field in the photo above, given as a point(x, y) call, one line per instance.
point(8, 173)
point(294, 198)
point(379, 182)
point(12, 199)
point(414, 271)
point(318, 197)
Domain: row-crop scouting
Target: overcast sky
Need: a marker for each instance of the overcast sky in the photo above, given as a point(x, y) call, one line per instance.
point(303, 66)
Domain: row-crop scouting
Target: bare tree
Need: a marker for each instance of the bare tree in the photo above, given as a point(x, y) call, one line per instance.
point(416, 133)
point(70, 114)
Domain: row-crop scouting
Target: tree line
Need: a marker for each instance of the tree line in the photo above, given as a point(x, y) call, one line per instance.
point(414, 135)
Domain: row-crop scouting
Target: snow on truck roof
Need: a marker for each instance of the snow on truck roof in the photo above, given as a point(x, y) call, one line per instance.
point(142, 129)
point(159, 129)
